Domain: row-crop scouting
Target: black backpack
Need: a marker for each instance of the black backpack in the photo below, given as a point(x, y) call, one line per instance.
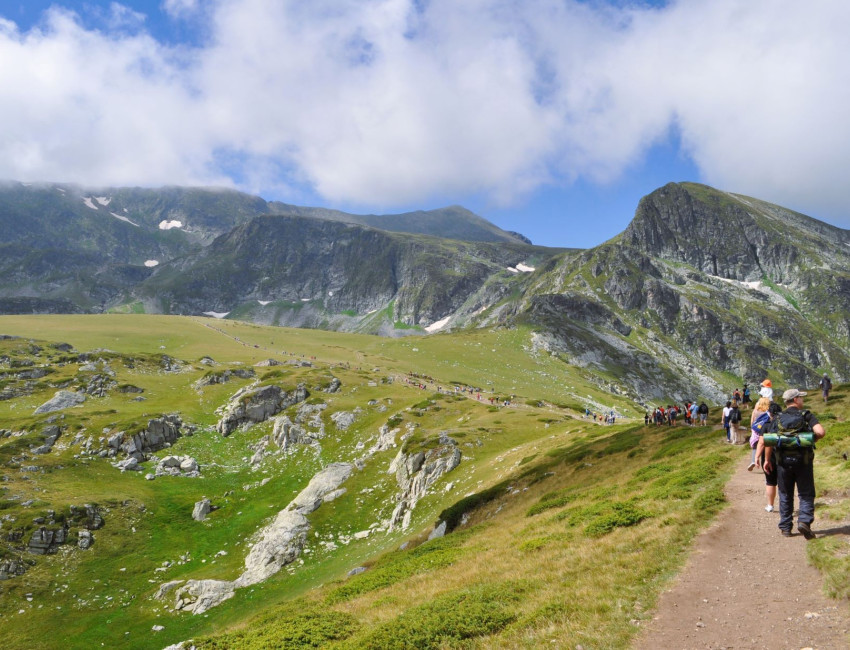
point(791, 423)
point(735, 415)
point(703, 408)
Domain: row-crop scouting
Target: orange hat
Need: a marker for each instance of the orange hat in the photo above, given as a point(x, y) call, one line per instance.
point(767, 383)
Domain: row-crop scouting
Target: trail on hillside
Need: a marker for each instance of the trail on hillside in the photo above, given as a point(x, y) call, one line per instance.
point(746, 586)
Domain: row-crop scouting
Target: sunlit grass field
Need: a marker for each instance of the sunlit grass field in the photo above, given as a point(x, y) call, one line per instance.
point(564, 531)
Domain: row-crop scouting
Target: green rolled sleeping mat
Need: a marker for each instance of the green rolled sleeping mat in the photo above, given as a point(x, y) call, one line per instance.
point(786, 442)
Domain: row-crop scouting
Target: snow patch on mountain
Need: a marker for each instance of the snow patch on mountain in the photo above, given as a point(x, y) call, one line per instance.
point(438, 325)
point(168, 225)
point(122, 218)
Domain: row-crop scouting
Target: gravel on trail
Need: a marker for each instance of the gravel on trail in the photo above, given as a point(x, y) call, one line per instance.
point(746, 586)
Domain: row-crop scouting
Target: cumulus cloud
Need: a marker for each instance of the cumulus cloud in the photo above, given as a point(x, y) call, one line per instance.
point(388, 102)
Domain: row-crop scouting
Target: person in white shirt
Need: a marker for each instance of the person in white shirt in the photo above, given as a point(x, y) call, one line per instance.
point(726, 411)
point(766, 389)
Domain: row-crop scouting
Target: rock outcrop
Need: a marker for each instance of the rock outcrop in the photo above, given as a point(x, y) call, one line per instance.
point(280, 543)
point(202, 509)
point(344, 419)
point(160, 433)
point(63, 399)
point(416, 472)
point(185, 466)
point(225, 376)
point(321, 485)
point(51, 434)
point(307, 429)
point(47, 539)
point(12, 568)
point(258, 405)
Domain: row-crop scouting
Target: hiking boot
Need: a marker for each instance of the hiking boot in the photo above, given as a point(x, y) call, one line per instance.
point(805, 530)
point(785, 533)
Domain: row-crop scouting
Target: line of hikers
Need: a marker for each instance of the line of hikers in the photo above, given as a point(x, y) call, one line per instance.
point(782, 438)
point(692, 413)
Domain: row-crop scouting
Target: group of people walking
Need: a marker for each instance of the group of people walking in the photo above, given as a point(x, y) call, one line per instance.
point(691, 414)
point(782, 435)
point(785, 453)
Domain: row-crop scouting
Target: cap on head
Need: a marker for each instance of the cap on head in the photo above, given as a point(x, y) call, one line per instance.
point(792, 393)
point(767, 383)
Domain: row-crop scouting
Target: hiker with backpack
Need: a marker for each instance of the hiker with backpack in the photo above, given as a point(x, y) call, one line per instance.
point(761, 427)
point(746, 397)
point(825, 386)
point(735, 435)
point(726, 410)
point(758, 424)
point(703, 413)
point(793, 455)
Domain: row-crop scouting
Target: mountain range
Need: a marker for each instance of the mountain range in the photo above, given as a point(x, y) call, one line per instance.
point(702, 291)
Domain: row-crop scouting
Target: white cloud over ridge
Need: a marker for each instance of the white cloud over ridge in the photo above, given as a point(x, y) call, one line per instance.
point(389, 102)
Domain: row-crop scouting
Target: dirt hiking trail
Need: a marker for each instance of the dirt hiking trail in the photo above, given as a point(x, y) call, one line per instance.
point(746, 586)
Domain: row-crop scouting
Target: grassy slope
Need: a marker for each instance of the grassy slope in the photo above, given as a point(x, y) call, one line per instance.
point(572, 545)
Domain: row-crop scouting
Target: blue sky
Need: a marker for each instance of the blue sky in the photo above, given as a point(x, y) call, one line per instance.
point(548, 117)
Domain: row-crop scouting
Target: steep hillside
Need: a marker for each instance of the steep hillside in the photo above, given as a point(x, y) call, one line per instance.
point(327, 274)
point(703, 291)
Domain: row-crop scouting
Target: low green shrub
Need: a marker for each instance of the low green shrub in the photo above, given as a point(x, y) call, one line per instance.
point(619, 515)
point(454, 513)
point(444, 622)
point(394, 567)
point(295, 626)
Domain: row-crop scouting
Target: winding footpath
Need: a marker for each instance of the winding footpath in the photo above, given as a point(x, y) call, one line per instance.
point(746, 586)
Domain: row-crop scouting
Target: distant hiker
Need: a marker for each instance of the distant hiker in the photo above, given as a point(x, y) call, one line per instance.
point(736, 396)
point(795, 464)
point(746, 396)
point(766, 389)
point(694, 410)
point(646, 418)
point(825, 385)
point(703, 413)
point(735, 434)
point(726, 410)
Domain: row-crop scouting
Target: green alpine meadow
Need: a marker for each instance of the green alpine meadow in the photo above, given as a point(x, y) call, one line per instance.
point(552, 529)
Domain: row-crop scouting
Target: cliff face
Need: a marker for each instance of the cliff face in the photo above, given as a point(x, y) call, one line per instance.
point(733, 236)
point(314, 270)
point(702, 290)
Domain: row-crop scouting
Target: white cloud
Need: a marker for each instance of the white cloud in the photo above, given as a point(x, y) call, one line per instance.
point(384, 102)
point(180, 8)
